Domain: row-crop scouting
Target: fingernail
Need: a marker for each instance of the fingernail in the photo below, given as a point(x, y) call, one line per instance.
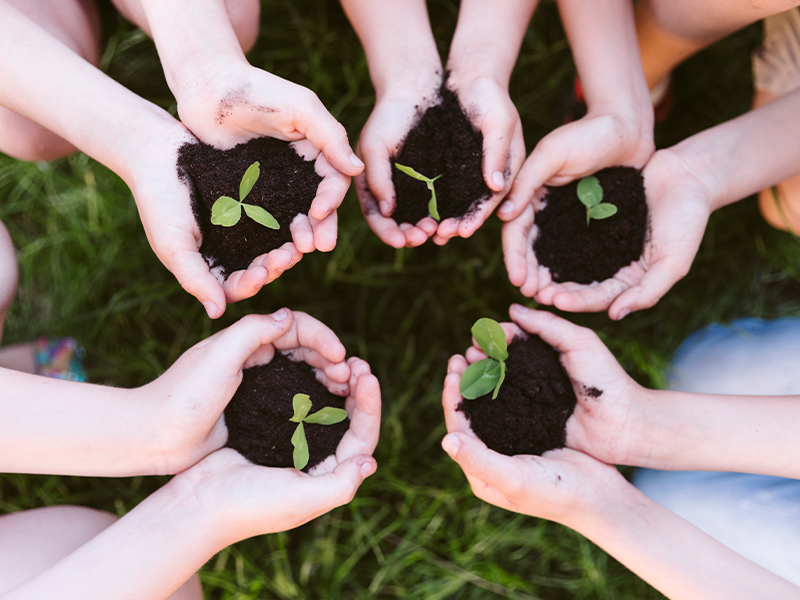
point(508, 206)
point(211, 309)
point(521, 309)
point(384, 208)
point(623, 313)
point(498, 180)
point(366, 465)
point(356, 161)
point(280, 315)
point(451, 444)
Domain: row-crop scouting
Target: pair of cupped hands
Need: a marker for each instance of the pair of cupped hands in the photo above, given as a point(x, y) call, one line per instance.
point(188, 400)
point(679, 200)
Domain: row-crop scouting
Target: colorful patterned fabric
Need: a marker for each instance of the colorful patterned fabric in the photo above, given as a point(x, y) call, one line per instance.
point(60, 358)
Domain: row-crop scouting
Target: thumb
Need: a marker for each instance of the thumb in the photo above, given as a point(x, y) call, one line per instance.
point(192, 273)
point(479, 462)
point(656, 282)
point(330, 136)
point(228, 351)
point(497, 137)
point(340, 485)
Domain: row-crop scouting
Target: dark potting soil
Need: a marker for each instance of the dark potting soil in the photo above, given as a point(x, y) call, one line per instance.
point(286, 187)
point(574, 252)
point(529, 415)
point(258, 416)
point(443, 142)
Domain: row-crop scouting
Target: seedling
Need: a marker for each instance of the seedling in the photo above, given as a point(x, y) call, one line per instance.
point(590, 193)
point(227, 211)
point(324, 416)
point(488, 374)
point(432, 208)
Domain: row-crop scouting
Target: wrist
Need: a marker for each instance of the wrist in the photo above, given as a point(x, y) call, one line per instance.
point(411, 78)
point(473, 64)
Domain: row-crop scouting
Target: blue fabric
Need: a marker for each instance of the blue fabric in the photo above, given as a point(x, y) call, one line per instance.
point(756, 515)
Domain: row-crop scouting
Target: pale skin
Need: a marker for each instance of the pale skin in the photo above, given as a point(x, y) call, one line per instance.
point(627, 424)
point(139, 141)
point(166, 427)
point(406, 72)
point(684, 184)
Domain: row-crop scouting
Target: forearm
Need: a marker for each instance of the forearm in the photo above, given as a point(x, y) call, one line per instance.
point(397, 41)
point(60, 427)
point(45, 81)
point(146, 555)
point(750, 434)
point(195, 41)
point(672, 555)
point(602, 36)
point(747, 154)
point(488, 37)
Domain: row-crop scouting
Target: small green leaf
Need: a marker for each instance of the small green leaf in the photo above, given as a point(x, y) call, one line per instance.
point(327, 416)
point(300, 454)
point(590, 192)
point(411, 172)
point(226, 212)
point(491, 338)
point(480, 378)
point(301, 404)
point(259, 215)
point(500, 380)
point(249, 180)
point(433, 210)
point(603, 211)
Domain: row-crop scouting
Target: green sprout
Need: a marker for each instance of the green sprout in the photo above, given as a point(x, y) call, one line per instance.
point(432, 208)
point(325, 416)
point(590, 193)
point(488, 374)
point(227, 211)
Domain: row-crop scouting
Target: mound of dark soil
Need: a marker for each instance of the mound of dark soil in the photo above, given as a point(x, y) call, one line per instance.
point(443, 142)
point(286, 188)
point(529, 415)
point(574, 252)
point(258, 416)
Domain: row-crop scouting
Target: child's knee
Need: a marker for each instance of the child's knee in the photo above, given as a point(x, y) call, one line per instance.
point(245, 16)
point(23, 139)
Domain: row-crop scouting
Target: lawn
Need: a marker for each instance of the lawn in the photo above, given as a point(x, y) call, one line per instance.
point(414, 530)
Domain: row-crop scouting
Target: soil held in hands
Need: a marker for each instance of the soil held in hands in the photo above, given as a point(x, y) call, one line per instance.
point(286, 188)
point(529, 415)
point(443, 142)
point(576, 252)
point(258, 416)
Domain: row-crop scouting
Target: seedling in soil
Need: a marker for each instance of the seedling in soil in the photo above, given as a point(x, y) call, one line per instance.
point(432, 208)
point(488, 374)
point(590, 193)
point(324, 416)
point(227, 211)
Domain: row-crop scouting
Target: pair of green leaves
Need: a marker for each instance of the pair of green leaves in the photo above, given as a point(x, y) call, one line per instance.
point(325, 416)
point(488, 374)
point(227, 211)
point(433, 210)
point(590, 193)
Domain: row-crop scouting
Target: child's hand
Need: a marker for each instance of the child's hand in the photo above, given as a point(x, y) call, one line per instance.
point(600, 139)
point(190, 397)
point(381, 138)
point(495, 116)
point(251, 500)
point(563, 485)
point(234, 102)
point(679, 204)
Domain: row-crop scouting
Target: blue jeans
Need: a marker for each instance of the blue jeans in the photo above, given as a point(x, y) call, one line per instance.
point(758, 516)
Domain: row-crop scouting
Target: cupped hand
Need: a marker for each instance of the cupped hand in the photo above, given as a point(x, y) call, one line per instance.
point(236, 102)
point(491, 111)
point(562, 485)
point(679, 204)
point(380, 139)
point(248, 500)
point(600, 139)
point(189, 398)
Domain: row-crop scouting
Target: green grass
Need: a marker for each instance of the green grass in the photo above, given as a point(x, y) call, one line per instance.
point(414, 530)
